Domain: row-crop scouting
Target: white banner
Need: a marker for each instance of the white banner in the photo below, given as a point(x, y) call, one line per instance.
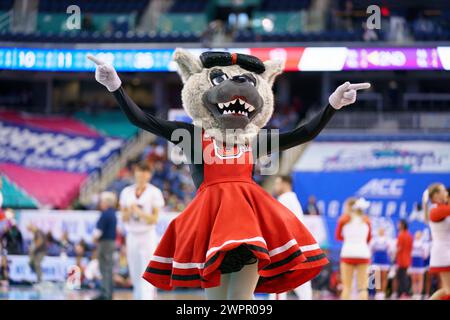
point(409, 156)
point(79, 224)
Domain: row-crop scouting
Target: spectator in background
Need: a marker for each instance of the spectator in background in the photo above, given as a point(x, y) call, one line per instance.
point(369, 34)
point(87, 23)
point(403, 257)
point(121, 272)
point(154, 152)
point(67, 246)
point(91, 272)
point(79, 252)
point(347, 16)
point(4, 271)
point(311, 207)
point(53, 247)
point(105, 236)
point(37, 251)
point(12, 239)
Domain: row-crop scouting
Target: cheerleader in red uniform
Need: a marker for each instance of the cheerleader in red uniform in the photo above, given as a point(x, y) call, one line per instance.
point(233, 238)
point(439, 219)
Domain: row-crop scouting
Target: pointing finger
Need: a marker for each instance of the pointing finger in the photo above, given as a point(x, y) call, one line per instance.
point(359, 86)
point(94, 59)
point(343, 87)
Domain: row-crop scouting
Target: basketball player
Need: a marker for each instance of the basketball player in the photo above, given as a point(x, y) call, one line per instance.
point(283, 189)
point(140, 204)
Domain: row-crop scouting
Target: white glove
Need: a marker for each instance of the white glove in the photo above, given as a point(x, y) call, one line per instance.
point(105, 74)
point(345, 94)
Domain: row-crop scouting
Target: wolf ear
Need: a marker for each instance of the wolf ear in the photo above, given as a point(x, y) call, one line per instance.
point(188, 64)
point(273, 69)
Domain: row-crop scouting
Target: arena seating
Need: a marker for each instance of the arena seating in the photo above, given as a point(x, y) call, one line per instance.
point(98, 6)
point(285, 5)
point(110, 123)
point(186, 21)
point(182, 6)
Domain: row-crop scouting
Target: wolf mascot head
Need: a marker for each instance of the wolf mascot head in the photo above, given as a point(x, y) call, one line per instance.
point(228, 95)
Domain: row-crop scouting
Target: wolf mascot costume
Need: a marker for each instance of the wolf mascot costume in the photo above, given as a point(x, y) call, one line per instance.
point(234, 238)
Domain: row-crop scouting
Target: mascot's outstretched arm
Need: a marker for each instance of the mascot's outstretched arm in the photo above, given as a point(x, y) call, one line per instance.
point(344, 95)
point(107, 76)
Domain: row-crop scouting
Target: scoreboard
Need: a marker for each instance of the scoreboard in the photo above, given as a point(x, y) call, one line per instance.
point(296, 58)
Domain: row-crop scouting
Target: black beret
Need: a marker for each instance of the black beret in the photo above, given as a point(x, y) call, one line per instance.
point(211, 59)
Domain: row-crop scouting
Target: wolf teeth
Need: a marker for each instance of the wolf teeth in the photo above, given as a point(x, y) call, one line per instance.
point(241, 101)
point(226, 104)
point(251, 108)
point(220, 105)
point(233, 101)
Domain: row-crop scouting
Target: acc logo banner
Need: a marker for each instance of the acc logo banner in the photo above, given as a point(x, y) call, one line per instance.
point(382, 188)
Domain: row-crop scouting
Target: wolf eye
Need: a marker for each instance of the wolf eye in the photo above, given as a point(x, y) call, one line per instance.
point(217, 77)
point(251, 79)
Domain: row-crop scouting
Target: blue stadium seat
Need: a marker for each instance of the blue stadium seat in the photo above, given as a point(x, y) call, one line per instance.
point(189, 6)
point(6, 5)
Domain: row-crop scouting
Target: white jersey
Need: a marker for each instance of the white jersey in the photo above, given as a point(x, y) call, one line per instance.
point(380, 243)
point(420, 249)
point(290, 201)
point(355, 233)
point(440, 247)
point(1, 200)
point(151, 198)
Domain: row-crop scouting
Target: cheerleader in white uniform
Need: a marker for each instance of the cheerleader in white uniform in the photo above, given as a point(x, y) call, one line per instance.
point(439, 218)
point(354, 230)
point(418, 267)
point(381, 261)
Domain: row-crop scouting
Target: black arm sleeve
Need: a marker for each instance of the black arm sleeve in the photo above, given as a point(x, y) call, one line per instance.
point(138, 117)
point(295, 137)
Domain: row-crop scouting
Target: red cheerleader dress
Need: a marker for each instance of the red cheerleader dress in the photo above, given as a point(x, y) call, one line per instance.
point(232, 222)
